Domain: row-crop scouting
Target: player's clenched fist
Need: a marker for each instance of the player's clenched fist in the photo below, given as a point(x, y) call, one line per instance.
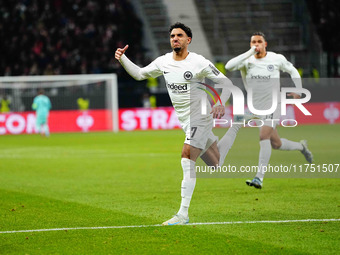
point(120, 52)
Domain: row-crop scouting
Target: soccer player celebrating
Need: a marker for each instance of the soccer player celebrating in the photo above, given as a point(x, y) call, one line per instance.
point(184, 73)
point(260, 71)
point(42, 105)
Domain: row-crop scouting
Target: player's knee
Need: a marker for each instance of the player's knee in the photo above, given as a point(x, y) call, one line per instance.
point(185, 153)
point(276, 145)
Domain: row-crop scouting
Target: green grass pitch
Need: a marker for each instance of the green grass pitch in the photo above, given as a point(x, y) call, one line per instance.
point(133, 178)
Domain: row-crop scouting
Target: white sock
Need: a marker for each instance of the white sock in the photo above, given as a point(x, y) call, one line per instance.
point(227, 141)
point(188, 185)
point(265, 152)
point(288, 145)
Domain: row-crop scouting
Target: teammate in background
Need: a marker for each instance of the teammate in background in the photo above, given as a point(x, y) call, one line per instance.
point(183, 71)
point(42, 105)
point(260, 71)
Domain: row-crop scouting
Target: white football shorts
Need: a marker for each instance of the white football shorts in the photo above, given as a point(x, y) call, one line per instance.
point(200, 135)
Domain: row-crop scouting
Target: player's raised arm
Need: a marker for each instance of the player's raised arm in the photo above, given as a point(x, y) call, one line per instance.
point(236, 62)
point(135, 71)
point(129, 66)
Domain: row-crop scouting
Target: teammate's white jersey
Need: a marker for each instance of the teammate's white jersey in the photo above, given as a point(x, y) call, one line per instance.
point(183, 83)
point(262, 76)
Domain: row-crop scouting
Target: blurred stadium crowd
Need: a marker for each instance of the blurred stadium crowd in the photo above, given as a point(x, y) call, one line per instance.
point(66, 36)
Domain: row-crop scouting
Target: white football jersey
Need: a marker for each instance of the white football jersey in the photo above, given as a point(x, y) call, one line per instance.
point(262, 76)
point(183, 83)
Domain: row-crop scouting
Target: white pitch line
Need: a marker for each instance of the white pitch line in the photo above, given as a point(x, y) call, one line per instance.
point(159, 225)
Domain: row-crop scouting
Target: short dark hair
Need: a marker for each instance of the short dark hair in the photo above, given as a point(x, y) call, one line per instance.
point(260, 34)
point(180, 25)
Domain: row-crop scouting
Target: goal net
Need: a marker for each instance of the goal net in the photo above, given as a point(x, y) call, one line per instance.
point(80, 103)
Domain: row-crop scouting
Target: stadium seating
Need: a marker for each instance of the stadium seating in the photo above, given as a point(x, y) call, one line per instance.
point(285, 23)
point(155, 13)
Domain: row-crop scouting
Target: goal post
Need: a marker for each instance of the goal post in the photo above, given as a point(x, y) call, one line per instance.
point(64, 91)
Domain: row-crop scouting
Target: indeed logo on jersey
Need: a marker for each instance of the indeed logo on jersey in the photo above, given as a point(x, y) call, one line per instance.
point(178, 88)
point(260, 77)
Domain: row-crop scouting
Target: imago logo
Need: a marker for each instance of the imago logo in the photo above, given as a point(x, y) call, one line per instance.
point(17, 124)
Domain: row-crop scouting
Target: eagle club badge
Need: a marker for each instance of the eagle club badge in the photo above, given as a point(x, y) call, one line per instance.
point(270, 68)
point(188, 75)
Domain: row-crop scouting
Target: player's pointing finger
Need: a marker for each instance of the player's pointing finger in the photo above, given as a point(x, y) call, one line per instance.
point(125, 48)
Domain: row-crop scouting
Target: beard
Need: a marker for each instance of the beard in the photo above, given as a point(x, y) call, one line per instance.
point(177, 49)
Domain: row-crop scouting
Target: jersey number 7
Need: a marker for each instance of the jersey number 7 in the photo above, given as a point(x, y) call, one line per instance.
point(193, 132)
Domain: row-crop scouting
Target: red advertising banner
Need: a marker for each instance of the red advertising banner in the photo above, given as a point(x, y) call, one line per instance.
point(145, 119)
point(59, 121)
point(321, 113)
